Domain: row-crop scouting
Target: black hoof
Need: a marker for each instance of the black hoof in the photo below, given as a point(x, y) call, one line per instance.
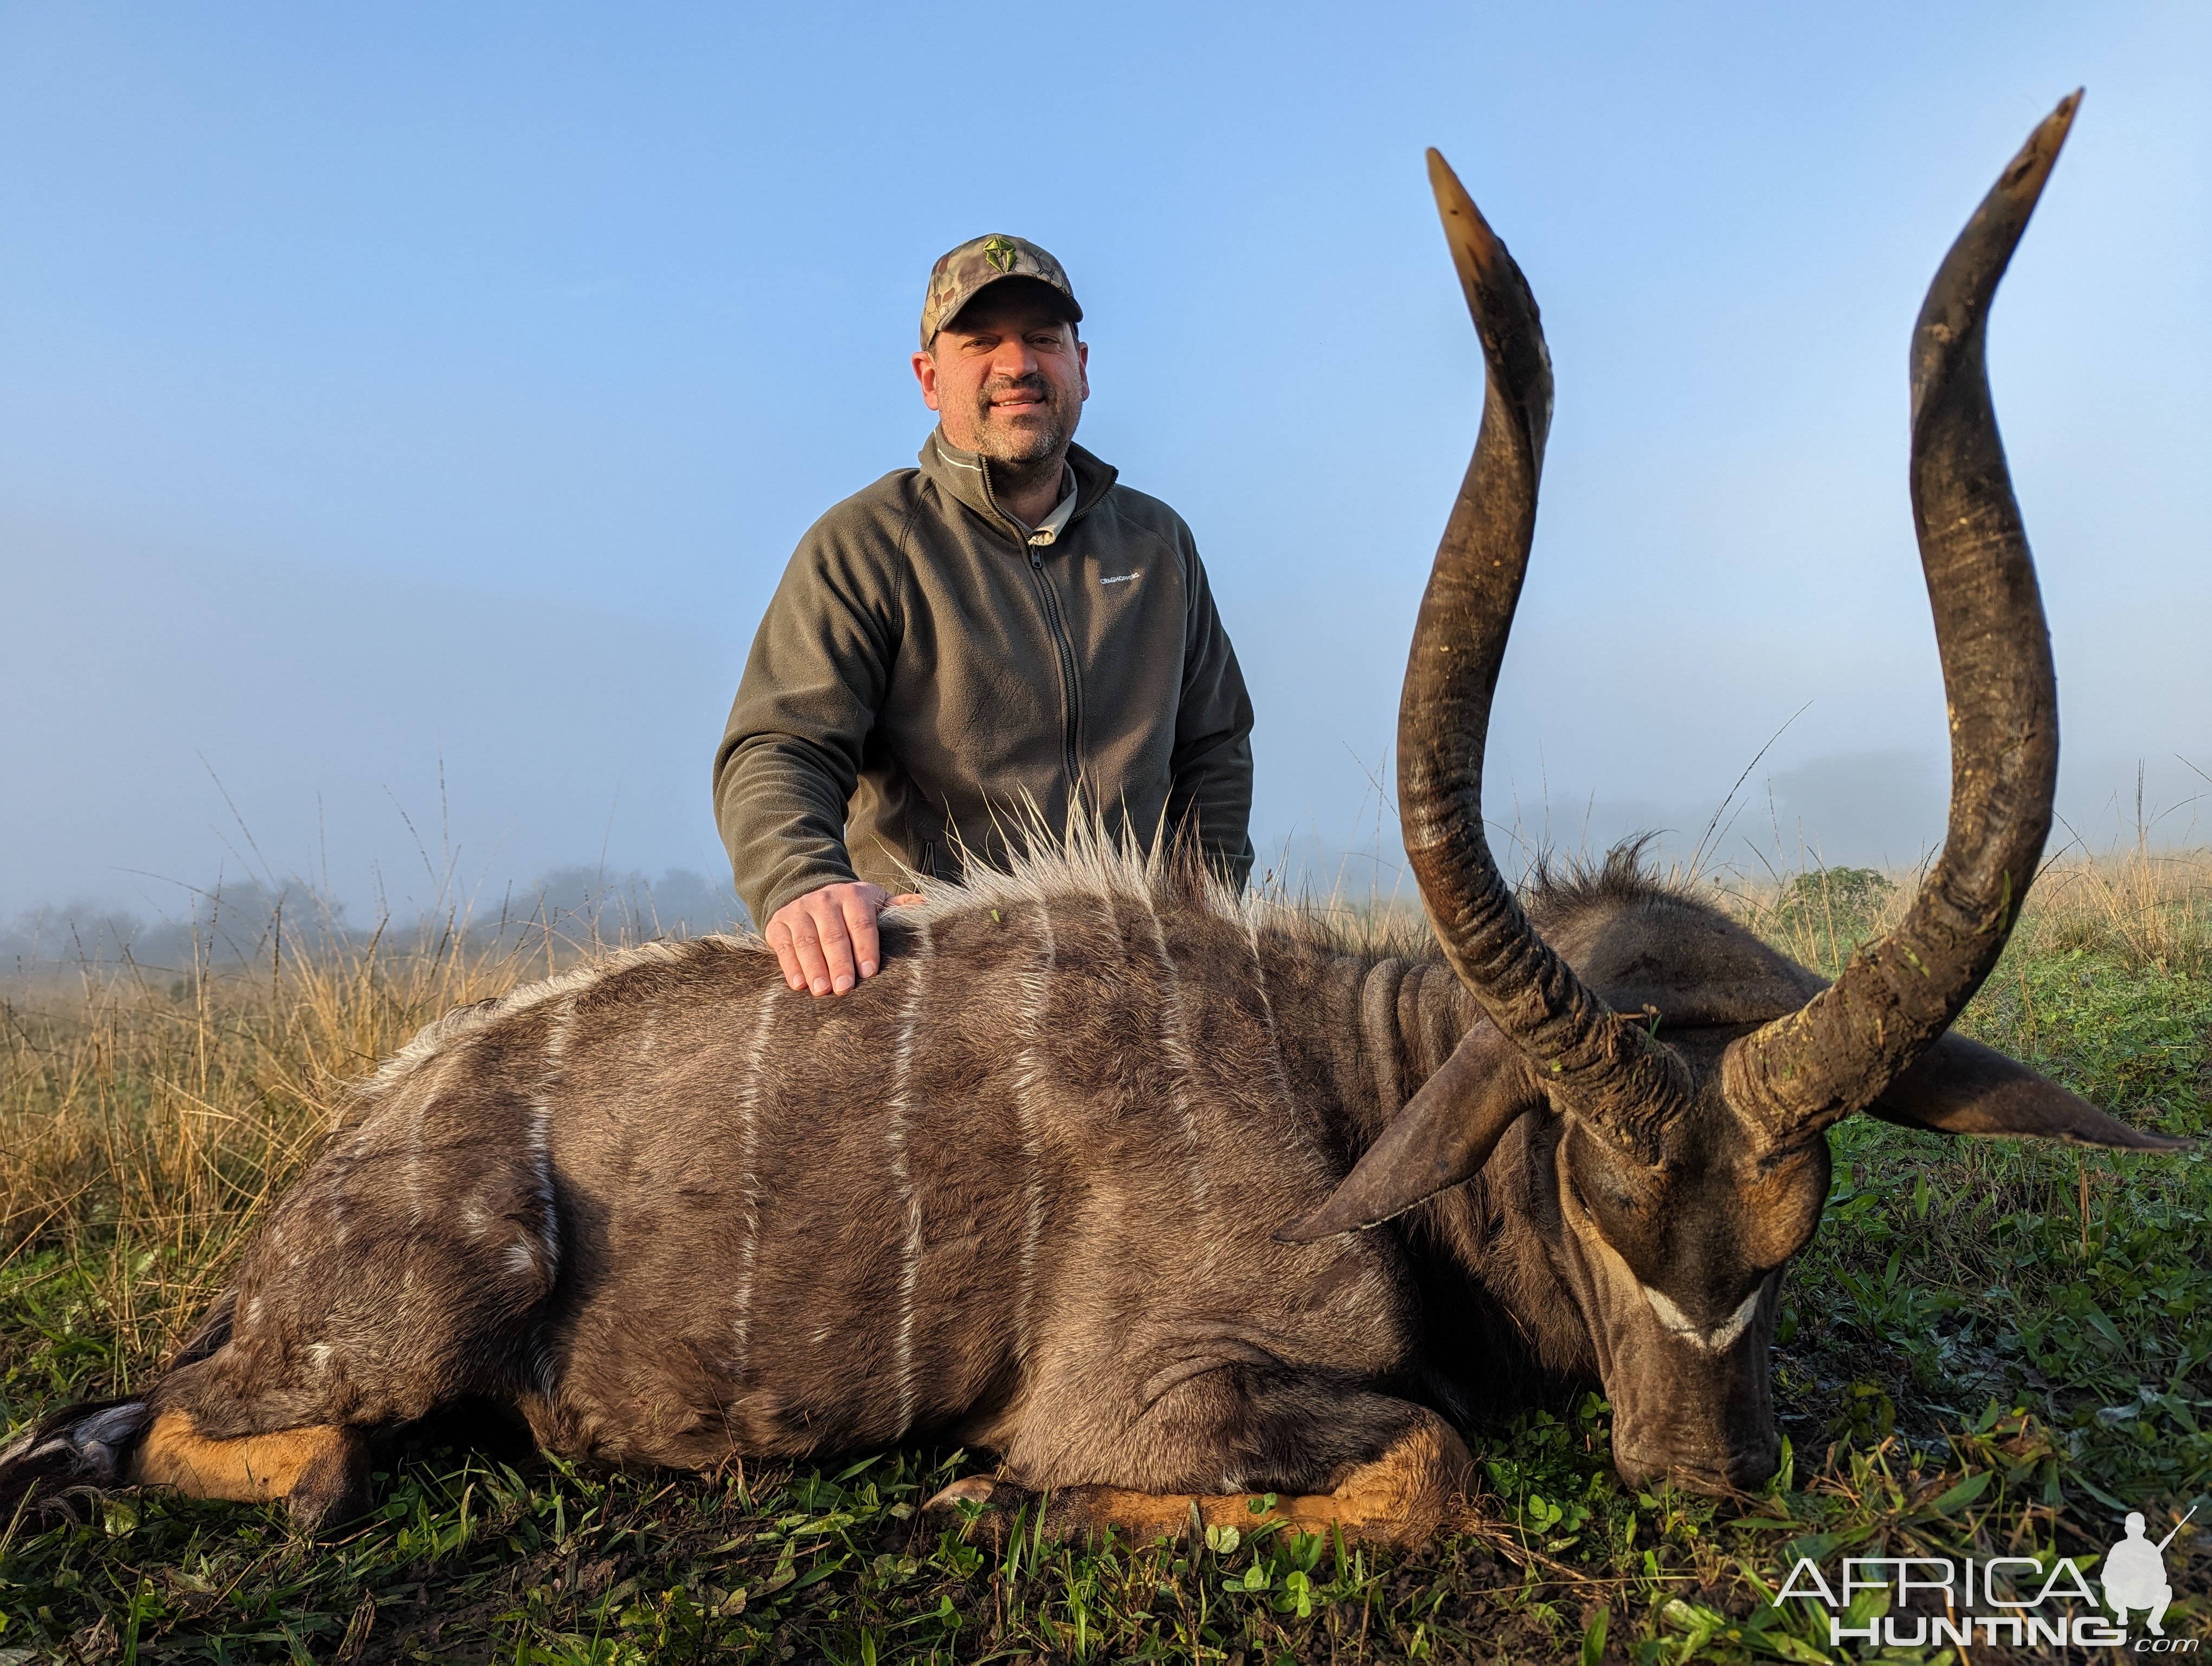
point(992, 1509)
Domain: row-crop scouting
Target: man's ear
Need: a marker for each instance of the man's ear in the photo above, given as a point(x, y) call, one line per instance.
point(925, 372)
point(1444, 1135)
point(1960, 1086)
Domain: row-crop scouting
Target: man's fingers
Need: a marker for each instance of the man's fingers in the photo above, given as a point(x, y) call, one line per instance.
point(830, 912)
point(806, 939)
point(827, 941)
point(812, 969)
point(905, 899)
point(860, 921)
point(779, 939)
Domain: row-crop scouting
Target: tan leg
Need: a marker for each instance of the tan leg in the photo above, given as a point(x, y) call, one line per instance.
point(321, 1472)
point(1415, 1490)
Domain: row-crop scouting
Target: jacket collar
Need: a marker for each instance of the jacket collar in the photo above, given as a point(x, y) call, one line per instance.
point(966, 476)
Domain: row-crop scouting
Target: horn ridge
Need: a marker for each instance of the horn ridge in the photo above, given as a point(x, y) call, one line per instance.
point(1843, 1047)
point(1589, 1063)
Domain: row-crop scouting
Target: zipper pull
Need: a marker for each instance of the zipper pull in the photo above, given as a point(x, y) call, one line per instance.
point(1037, 561)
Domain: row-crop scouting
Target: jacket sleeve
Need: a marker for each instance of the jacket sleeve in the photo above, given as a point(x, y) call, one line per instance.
point(790, 759)
point(1212, 764)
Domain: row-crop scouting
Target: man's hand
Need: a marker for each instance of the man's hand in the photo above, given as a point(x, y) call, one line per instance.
point(826, 940)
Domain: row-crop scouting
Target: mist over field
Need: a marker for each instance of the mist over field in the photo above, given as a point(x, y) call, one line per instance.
point(397, 752)
point(405, 422)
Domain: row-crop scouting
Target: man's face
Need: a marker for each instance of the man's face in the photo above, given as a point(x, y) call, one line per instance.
point(1006, 377)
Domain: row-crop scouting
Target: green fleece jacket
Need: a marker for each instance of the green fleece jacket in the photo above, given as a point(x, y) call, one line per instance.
point(925, 672)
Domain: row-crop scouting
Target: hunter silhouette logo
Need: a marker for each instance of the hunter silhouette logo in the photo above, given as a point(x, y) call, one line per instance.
point(1000, 252)
point(2016, 1601)
point(2135, 1573)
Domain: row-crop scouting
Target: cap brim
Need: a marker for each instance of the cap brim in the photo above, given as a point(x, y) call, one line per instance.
point(1070, 310)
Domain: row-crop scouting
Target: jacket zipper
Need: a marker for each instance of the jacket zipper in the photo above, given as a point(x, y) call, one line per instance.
point(1071, 688)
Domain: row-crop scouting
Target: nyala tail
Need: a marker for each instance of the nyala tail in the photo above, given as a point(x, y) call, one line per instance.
point(67, 1459)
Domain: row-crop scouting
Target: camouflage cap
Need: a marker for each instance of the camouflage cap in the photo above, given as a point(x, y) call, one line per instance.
point(958, 278)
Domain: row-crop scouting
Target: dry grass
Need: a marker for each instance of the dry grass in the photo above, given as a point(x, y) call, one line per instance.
point(2147, 911)
point(146, 1115)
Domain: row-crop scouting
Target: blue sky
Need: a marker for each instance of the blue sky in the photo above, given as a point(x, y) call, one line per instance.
point(399, 395)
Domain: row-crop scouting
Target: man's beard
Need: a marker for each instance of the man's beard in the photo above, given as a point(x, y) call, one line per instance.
point(1038, 439)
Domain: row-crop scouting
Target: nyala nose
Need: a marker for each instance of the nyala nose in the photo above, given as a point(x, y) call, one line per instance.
point(1714, 1474)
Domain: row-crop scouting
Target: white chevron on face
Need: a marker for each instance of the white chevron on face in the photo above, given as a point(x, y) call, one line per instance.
point(1720, 1337)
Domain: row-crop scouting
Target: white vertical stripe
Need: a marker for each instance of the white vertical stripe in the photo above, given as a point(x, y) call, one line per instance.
point(424, 1091)
point(541, 1130)
point(902, 1175)
point(1283, 1095)
point(1306, 1130)
point(1175, 1043)
point(1267, 1013)
point(749, 1084)
point(1026, 1082)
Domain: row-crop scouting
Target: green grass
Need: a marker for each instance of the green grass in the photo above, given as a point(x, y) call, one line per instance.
point(1990, 1348)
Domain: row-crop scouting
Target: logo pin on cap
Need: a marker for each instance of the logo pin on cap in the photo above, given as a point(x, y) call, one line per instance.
point(958, 278)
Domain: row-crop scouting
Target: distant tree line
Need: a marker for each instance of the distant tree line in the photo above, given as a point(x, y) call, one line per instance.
point(236, 921)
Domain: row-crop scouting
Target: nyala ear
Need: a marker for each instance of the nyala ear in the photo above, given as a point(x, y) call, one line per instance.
point(1960, 1086)
point(1444, 1135)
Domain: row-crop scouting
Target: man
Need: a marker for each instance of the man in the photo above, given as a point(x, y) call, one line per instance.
point(1002, 632)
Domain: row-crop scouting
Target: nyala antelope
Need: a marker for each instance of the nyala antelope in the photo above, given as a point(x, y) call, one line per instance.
point(1165, 1197)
